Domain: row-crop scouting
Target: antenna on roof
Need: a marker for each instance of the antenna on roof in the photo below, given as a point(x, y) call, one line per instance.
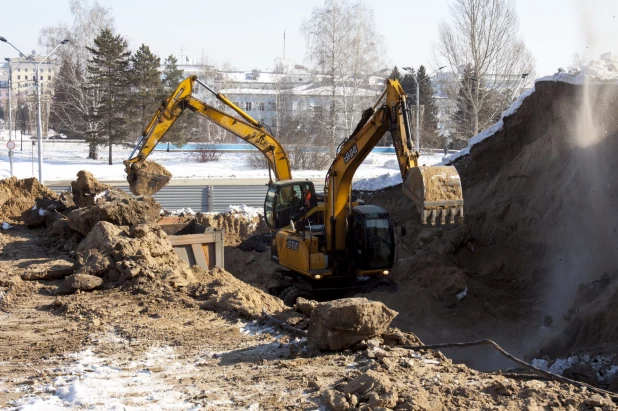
point(284, 45)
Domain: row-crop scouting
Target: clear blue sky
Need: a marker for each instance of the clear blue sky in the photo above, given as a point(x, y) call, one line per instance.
point(249, 34)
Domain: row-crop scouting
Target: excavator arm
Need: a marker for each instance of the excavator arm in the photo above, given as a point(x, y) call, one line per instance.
point(436, 191)
point(247, 128)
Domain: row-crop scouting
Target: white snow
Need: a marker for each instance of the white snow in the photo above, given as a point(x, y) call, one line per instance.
point(104, 193)
point(42, 212)
point(180, 211)
point(596, 71)
point(245, 210)
point(95, 383)
point(392, 178)
point(6, 226)
point(605, 366)
point(63, 159)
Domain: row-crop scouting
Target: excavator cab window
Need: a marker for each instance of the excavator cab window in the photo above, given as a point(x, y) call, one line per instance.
point(373, 239)
point(288, 202)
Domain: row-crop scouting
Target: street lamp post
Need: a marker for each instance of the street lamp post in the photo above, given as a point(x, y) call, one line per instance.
point(39, 129)
point(8, 60)
point(417, 133)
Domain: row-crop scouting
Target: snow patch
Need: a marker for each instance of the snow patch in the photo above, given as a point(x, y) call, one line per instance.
point(247, 211)
point(6, 226)
point(377, 183)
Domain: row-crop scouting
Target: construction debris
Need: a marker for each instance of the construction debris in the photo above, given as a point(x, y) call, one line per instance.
point(17, 196)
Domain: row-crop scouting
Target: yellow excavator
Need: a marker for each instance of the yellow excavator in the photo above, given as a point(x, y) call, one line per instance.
point(143, 181)
point(355, 245)
point(323, 241)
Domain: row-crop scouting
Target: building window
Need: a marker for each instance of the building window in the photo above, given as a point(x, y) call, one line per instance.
point(18, 69)
point(26, 70)
point(41, 78)
point(260, 106)
point(49, 70)
point(248, 106)
point(48, 78)
point(26, 77)
point(18, 78)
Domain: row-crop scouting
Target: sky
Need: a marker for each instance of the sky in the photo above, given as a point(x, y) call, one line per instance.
point(246, 35)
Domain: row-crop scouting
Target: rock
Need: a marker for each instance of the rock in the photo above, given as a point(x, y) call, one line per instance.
point(59, 269)
point(340, 324)
point(87, 191)
point(394, 336)
point(37, 215)
point(360, 385)
point(596, 400)
point(583, 373)
point(81, 282)
point(374, 400)
point(335, 401)
point(125, 212)
point(305, 306)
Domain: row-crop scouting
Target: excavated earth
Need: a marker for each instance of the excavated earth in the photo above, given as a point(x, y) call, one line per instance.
point(94, 291)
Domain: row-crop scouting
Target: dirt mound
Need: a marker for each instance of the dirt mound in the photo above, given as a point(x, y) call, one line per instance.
point(127, 211)
point(147, 177)
point(135, 255)
point(221, 291)
point(88, 191)
point(238, 225)
point(539, 199)
point(17, 196)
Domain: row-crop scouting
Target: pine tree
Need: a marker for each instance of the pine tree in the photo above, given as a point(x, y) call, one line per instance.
point(108, 78)
point(172, 76)
point(429, 135)
point(145, 81)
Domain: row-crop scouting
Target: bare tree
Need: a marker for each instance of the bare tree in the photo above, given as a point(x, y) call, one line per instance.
point(482, 44)
point(344, 45)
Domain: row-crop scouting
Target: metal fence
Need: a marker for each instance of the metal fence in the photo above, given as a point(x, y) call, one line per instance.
point(205, 198)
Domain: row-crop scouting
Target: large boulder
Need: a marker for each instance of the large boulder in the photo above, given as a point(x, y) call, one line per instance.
point(127, 211)
point(340, 324)
point(37, 215)
point(87, 191)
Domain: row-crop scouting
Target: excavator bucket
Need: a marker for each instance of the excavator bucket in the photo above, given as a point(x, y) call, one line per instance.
point(437, 193)
point(146, 177)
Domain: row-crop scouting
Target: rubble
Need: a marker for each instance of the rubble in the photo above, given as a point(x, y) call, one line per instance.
point(124, 212)
point(88, 191)
point(340, 324)
point(17, 196)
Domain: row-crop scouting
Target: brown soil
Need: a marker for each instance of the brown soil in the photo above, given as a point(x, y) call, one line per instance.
point(147, 177)
point(225, 368)
point(237, 226)
point(540, 221)
point(87, 191)
point(17, 196)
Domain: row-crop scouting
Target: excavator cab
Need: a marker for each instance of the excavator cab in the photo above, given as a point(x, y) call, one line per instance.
point(288, 201)
point(371, 238)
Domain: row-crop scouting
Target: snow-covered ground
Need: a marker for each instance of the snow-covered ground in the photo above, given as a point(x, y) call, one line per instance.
point(62, 160)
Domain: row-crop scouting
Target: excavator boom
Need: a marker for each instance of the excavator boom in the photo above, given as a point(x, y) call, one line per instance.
point(148, 178)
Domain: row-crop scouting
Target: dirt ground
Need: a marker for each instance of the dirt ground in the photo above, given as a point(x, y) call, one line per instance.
point(99, 313)
point(157, 348)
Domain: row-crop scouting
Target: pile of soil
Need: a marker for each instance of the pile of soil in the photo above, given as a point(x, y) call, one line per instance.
point(147, 177)
point(88, 191)
point(238, 226)
point(17, 196)
point(540, 200)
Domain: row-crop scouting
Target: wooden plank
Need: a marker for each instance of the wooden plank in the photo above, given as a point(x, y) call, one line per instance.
point(207, 237)
point(200, 258)
point(207, 254)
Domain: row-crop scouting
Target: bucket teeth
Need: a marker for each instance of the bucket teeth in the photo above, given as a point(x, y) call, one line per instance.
point(441, 215)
